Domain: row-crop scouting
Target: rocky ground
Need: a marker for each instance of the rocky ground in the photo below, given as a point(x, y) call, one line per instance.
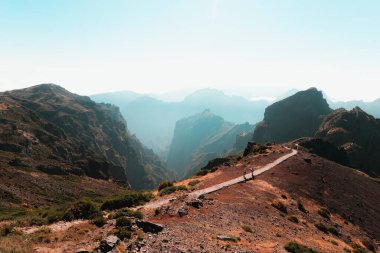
point(306, 199)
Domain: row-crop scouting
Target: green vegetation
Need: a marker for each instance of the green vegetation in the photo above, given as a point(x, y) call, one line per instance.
point(129, 199)
point(334, 242)
point(193, 182)
point(293, 219)
point(322, 228)
point(81, 210)
point(279, 206)
point(123, 233)
point(164, 185)
point(123, 222)
point(301, 207)
point(369, 245)
point(247, 229)
point(128, 213)
point(171, 189)
point(202, 173)
point(99, 221)
point(334, 231)
point(294, 247)
point(356, 248)
point(325, 213)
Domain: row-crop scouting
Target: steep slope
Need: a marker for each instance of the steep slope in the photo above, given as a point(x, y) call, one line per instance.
point(296, 116)
point(358, 133)
point(144, 111)
point(306, 200)
point(66, 133)
point(200, 138)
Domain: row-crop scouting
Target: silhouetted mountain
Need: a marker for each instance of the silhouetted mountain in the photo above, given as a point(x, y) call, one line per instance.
point(358, 133)
point(200, 138)
point(372, 108)
point(59, 132)
point(144, 112)
point(296, 116)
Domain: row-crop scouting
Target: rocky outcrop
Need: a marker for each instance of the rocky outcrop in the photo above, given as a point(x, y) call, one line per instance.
point(63, 132)
point(358, 133)
point(296, 116)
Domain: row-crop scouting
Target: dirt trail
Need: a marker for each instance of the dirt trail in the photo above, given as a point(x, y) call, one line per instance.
point(217, 187)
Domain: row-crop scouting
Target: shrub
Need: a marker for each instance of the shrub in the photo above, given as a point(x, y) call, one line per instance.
point(123, 222)
point(369, 245)
point(202, 173)
point(163, 185)
point(294, 247)
point(128, 213)
point(325, 213)
point(321, 227)
point(293, 219)
point(123, 233)
point(6, 230)
point(301, 207)
point(333, 231)
point(128, 200)
point(284, 196)
point(99, 221)
point(81, 210)
point(334, 242)
point(171, 189)
point(279, 206)
point(193, 182)
point(247, 229)
point(356, 248)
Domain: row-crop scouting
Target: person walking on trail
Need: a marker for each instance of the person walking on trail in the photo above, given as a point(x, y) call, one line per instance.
point(253, 176)
point(244, 172)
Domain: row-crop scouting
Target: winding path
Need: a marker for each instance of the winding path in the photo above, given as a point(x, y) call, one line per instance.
point(217, 187)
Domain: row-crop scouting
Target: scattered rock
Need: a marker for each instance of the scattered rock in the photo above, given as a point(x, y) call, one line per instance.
point(228, 238)
point(149, 227)
point(197, 203)
point(182, 212)
point(108, 244)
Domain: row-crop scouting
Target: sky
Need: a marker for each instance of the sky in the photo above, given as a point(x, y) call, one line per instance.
point(253, 48)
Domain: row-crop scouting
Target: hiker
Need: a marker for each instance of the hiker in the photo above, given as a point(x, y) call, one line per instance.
point(253, 176)
point(244, 172)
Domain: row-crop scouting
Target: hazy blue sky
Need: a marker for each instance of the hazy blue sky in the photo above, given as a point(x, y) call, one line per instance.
point(246, 47)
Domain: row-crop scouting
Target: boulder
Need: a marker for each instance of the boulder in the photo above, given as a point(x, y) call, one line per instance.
point(197, 203)
point(182, 212)
point(108, 244)
point(228, 238)
point(149, 227)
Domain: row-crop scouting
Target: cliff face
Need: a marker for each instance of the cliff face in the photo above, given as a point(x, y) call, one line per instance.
point(358, 133)
point(56, 128)
point(296, 116)
point(200, 138)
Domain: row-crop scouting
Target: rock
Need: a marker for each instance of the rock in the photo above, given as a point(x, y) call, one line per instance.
point(108, 244)
point(182, 212)
point(149, 227)
point(197, 203)
point(228, 238)
point(82, 251)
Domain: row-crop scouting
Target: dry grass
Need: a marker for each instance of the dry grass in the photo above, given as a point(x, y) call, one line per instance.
point(15, 244)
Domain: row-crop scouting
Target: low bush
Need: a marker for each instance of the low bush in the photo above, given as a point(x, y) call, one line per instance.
point(164, 185)
point(301, 207)
point(123, 222)
point(193, 182)
point(128, 200)
point(247, 229)
point(99, 221)
point(6, 230)
point(171, 189)
point(128, 213)
point(334, 231)
point(356, 248)
point(123, 233)
point(325, 213)
point(279, 206)
point(202, 173)
point(81, 210)
point(293, 219)
point(294, 247)
point(369, 245)
point(322, 228)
